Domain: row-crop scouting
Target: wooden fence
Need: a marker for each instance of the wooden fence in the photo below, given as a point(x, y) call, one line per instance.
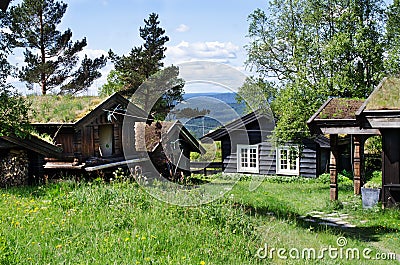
point(205, 168)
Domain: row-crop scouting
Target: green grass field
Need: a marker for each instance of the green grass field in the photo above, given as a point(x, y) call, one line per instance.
point(119, 223)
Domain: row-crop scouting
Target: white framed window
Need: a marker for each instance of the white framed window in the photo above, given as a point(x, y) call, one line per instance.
point(287, 160)
point(247, 161)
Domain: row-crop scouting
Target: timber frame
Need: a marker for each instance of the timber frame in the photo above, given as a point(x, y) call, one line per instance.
point(80, 140)
point(335, 126)
point(379, 114)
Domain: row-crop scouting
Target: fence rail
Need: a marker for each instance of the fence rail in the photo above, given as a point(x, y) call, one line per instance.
point(206, 168)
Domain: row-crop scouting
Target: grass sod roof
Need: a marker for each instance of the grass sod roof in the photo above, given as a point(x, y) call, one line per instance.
point(340, 108)
point(386, 96)
point(149, 136)
point(61, 109)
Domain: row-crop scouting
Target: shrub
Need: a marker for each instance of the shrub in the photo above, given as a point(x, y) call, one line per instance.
point(326, 179)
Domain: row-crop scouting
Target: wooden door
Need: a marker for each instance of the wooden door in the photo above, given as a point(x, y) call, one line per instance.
point(106, 140)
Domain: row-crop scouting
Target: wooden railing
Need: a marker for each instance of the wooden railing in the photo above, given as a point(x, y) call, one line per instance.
point(205, 168)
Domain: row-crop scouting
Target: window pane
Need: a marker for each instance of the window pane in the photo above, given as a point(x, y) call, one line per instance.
point(243, 157)
point(293, 160)
point(283, 159)
point(253, 157)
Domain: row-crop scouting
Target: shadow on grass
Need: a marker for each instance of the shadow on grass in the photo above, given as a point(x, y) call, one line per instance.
point(363, 233)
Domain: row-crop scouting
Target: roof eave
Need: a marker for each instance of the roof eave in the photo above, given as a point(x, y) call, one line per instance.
point(313, 117)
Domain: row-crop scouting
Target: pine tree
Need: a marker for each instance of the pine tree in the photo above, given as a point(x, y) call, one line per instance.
point(143, 68)
point(51, 56)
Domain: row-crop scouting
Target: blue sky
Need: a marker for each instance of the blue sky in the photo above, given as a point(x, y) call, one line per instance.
point(212, 30)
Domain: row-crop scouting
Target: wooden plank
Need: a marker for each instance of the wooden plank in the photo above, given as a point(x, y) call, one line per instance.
point(349, 130)
point(116, 164)
point(384, 122)
point(333, 167)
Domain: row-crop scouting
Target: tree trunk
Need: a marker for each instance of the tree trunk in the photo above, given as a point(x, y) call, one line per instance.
point(43, 54)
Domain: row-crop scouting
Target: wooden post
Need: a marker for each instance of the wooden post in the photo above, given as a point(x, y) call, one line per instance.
point(333, 167)
point(358, 162)
point(96, 141)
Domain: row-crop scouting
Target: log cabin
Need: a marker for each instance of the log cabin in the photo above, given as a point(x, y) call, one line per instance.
point(88, 129)
point(247, 148)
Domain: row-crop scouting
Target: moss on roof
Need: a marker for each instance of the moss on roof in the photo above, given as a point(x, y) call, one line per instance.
point(341, 108)
point(386, 96)
point(149, 136)
point(61, 109)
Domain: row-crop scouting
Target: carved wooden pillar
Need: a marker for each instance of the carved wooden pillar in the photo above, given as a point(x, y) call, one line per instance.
point(358, 162)
point(96, 141)
point(333, 167)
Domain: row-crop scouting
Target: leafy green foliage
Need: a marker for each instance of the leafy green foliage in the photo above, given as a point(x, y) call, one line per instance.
point(13, 108)
point(310, 50)
point(392, 63)
point(373, 145)
point(50, 55)
point(374, 179)
point(13, 113)
point(114, 84)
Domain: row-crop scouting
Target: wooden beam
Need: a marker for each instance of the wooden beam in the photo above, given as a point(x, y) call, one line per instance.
point(358, 162)
point(333, 167)
point(349, 130)
point(116, 164)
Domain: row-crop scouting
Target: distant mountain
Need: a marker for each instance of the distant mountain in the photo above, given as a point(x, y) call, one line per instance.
point(222, 108)
point(225, 97)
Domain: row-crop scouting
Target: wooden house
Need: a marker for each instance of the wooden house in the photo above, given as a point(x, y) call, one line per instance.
point(379, 114)
point(168, 145)
point(247, 148)
point(381, 111)
point(88, 129)
point(23, 158)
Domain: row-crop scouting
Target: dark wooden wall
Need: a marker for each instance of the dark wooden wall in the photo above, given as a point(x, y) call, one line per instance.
point(259, 133)
point(391, 166)
point(256, 132)
point(308, 160)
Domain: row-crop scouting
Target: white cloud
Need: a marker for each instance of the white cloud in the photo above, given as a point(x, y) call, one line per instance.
point(182, 28)
point(92, 54)
point(213, 51)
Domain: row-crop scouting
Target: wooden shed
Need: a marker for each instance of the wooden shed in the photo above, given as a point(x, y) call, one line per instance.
point(24, 157)
point(247, 148)
point(381, 111)
point(88, 129)
point(168, 144)
point(336, 117)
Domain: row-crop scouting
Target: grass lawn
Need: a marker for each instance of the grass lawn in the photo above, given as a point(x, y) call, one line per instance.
point(98, 223)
